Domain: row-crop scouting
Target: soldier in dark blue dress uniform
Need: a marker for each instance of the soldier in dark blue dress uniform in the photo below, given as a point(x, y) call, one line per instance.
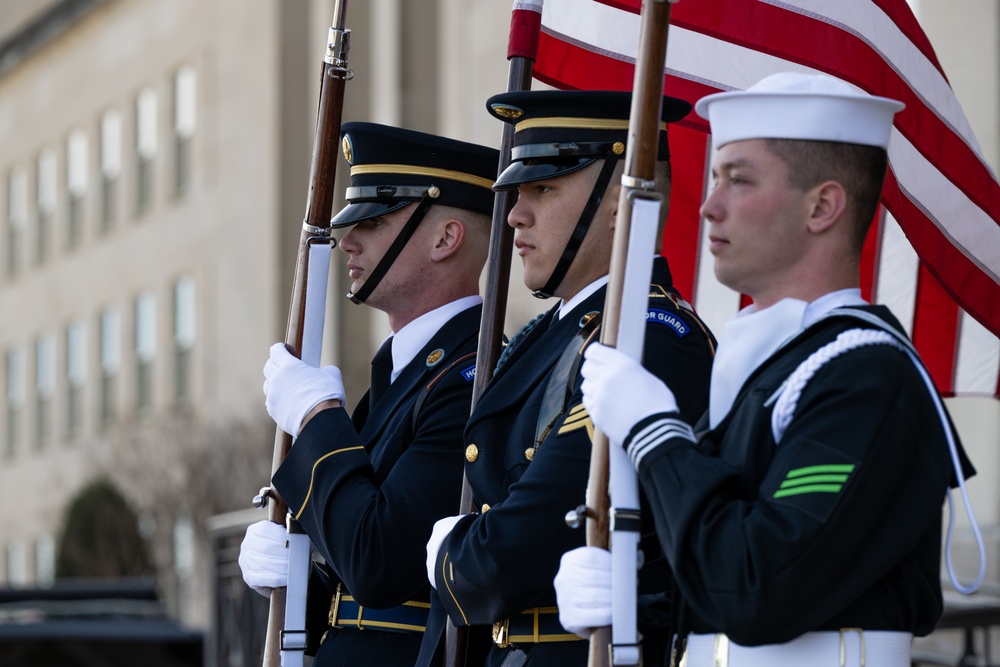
point(526, 461)
point(368, 487)
point(802, 517)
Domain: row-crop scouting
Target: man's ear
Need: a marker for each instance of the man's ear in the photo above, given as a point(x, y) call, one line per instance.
point(611, 199)
point(448, 239)
point(827, 204)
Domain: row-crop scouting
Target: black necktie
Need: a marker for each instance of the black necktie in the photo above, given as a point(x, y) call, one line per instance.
point(381, 373)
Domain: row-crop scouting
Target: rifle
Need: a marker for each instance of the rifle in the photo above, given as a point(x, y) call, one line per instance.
point(638, 181)
point(315, 232)
point(521, 55)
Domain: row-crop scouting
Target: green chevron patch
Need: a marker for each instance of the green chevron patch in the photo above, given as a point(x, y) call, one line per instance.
point(815, 479)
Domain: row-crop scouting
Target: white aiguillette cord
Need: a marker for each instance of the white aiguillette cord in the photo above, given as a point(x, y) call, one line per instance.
point(623, 483)
point(293, 638)
point(788, 393)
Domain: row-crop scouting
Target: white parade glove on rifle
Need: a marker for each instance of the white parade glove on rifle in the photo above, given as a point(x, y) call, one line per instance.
point(292, 388)
point(583, 590)
point(441, 529)
point(618, 392)
point(264, 557)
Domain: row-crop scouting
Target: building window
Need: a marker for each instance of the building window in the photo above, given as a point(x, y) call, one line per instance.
point(184, 336)
point(15, 399)
point(45, 382)
point(46, 202)
point(185, 113)
point(17, 218)
point(110, 350)
point(145, 349)
point(76, 187)
point(45, 561)
point(111, 166)
point(17, 564)
point(76, 375)
point(145, 148)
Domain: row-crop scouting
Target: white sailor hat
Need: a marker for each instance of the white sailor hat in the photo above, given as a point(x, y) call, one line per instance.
point(792, 105)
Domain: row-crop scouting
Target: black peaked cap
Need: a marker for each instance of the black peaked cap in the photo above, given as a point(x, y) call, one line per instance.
point(391, 167)
point(559, 131)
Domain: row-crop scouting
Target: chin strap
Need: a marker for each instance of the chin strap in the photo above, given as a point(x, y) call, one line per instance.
point(582, 225)
point(426, 201)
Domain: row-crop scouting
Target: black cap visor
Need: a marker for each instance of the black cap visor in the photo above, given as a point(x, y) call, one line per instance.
point(529, 171)
point(357, 212)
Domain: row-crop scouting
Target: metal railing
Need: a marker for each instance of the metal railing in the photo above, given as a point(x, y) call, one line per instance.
point(240, 614)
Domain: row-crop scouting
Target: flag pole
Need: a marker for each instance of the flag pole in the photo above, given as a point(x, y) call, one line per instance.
point(638, 181)
point(522, 50)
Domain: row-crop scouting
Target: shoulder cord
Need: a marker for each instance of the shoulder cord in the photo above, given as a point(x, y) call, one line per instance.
point(787, 396)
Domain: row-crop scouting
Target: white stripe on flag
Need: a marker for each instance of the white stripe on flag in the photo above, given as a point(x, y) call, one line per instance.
point(978, 363)
point(948, 208)
point(896, 282)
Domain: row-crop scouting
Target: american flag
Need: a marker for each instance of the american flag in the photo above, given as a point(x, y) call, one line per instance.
point(933, 255)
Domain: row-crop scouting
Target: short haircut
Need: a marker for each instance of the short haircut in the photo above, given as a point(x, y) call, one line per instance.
point(860, 169)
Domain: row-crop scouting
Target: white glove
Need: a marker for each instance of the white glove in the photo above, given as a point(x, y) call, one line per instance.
point(618, 392)
point(264, 557)
point(441, 529)
point(583, 590)
point(292, 388)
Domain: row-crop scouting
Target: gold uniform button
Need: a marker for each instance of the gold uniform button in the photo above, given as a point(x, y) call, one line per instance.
point(486, 508)
point(529, 453)
point(471, 453)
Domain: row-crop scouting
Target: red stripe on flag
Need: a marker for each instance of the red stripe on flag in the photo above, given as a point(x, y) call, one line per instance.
point(566, 65)
point(935, 330)
point(869, 256)
point(966, 283)
point(524, 29)
point(681, 236)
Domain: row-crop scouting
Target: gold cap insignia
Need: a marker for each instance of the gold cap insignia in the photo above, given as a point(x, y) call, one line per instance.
point(471, 453)
point(618, 148)
point(348, 152)
point(434, 192)
point(507, 111)
point(434, 358)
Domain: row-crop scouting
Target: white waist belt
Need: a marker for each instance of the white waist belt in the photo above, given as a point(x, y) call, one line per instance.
point(850, 647)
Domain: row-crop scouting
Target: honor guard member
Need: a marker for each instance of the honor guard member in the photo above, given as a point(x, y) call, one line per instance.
point(367, 488)
point(804, 527)
point(528, 441)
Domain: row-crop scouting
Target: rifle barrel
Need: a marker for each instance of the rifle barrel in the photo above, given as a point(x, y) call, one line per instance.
point(316, 225)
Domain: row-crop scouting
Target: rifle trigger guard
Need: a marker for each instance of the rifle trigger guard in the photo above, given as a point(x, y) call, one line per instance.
point(260, 500)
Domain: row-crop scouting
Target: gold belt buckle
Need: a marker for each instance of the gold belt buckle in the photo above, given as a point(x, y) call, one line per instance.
point(501, 632)
point(335, 606)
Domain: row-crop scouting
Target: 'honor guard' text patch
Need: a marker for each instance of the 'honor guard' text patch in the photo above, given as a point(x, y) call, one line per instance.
point(666, 318)
point(469, 373)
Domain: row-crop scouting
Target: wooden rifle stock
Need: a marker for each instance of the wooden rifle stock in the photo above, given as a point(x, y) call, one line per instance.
point(494, 309)
point(315, 228)
point(640, 169)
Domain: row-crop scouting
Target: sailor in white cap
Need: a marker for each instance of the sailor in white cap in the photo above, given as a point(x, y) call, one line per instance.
point(803, 523)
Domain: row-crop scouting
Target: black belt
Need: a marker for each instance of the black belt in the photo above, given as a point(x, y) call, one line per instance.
point(537, 625)
point(345, 612)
